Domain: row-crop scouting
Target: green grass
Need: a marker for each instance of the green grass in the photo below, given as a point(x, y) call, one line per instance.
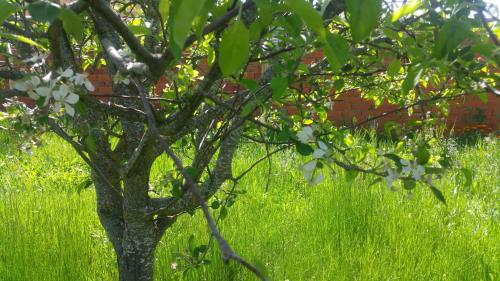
point(334, 231)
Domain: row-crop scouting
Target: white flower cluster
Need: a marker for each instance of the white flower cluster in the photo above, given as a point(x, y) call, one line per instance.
point(305, 136)
point(410, 168)
point(60, 88)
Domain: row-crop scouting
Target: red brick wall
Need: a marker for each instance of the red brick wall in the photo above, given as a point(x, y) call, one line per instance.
point(466, 114)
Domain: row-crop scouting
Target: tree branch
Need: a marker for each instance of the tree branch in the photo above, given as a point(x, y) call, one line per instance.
point(227, 252)
point(105, 10)
point(6, 94)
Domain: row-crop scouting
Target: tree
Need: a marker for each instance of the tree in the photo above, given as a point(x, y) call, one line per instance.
point(414, 53)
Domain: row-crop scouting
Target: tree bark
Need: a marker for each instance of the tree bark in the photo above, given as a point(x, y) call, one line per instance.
point(136, 262)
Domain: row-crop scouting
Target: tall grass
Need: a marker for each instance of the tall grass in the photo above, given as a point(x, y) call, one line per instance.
point(337, 230)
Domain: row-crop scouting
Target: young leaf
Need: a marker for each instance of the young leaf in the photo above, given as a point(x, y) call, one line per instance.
point(164, 9)
point(394, 67)
point(234, 48)
point(406, 9)
point(409, 184)
point(363, 17)
point(183, 14)
point(6, 9)
point(304, 149)
point(199, 21)
point(72, 24)
point(438, 194)
point(411, 80)
point(279, 85)
point(336, 50)
point(350, 175)
point(308, 14)
point(451, 34)
point(90, 143)
point(422, 155)
point(469, 176)
point(249, 84)
point(44, 11)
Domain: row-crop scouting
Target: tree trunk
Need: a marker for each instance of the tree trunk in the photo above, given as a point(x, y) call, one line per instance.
point(136, 262)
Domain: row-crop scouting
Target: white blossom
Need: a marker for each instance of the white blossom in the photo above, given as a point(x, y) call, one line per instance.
point(392, 175)
point(119, 78)
point(318, 179)
point(66, 73)
point(329, 103)
point(413, 167)
point(308, 169)
point(321, 151)
point(45, 92)
point(64, 97)
point(28, 85)
point(428, 179)
point(306, 135)
point(80, 79)
point(36, 60)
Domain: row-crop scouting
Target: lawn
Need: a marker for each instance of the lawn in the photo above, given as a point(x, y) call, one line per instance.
point(338, 230)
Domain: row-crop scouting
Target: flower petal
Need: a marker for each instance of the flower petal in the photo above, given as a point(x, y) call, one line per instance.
point(69, 109)
point(72, 98)
point(33, 95)
point(20, 85)
point(89, 85)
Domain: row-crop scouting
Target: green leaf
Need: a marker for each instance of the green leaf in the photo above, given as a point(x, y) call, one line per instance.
point(279, 85)
point(411, 80)
point(363, 17)
point(183, 14)
point(406, 9)
point(249, 108)
point(200, 20)
point(438, 194)
point(422, 155)
point(250, 84)
point(215, 205)
point(308, 14)
point(409, 184)
point(164, 9)
point(44, 11)
point(6, 9)
point(176, 188)
point(223, 212)
point(284, 135)
point(337, 50)
point(395, 158)
point(394, 68)
point(90, 143)
point(349, 140)
point(21, 39)
point(234, 49)
point(434, 170)
point(192, 172)
point(139, 29)
point(469, 176)
point(350, 175)
point(72, 24)
point(304, 149)
point(451, 34)
point(83, 185)
point(377, 180)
